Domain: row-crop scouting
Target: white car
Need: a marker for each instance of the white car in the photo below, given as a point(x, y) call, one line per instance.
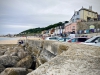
point(52, 38)
point(95, 40)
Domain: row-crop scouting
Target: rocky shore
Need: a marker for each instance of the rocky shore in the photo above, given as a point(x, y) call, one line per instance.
point(15, 59)
point(39, 57)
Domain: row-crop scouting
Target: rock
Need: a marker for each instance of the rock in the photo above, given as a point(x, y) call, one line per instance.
point(14, 54)
point(46, 56)
point(30, 70)
point(35, 46)
point(62, 48)
point(25, 62)
point(17, 51)
point(11, 52)
point(15, 71)
point(55, 48)
point(8, 61)
point(2, 51)
point(58, 47)
point(77, 60)
point(22, 54)
point(1, 68)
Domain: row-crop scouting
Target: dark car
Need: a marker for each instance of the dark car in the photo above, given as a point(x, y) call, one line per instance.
point(78, 39)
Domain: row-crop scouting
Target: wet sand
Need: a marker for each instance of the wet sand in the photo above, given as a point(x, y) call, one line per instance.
point(8, 42)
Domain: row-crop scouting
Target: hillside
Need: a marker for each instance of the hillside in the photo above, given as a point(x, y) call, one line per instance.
point(39, 30)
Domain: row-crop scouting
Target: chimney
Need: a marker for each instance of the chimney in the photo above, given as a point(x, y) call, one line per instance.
point(90, 7)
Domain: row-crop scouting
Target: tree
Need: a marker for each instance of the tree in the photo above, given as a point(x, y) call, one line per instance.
point(39, 30)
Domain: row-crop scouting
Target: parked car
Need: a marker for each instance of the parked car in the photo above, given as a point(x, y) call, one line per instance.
point(63, 39)
point(54, 38)
point(78, 39)
point(95, 40)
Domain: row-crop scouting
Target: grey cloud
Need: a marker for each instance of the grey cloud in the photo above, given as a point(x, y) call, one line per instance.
point(38, 13)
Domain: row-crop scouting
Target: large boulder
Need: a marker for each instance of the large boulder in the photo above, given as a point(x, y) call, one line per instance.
point(22, 54)
point(77, 60)
point(11, 51)
point(15, 71)
point(8, 61)
point(2, 51)
point(25, 62)
point(16, 51)
point(1, 68)
point(46, 56)
point(35, 47)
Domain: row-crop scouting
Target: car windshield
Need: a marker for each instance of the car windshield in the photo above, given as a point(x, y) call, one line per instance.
point(82, 39)
point(79, 39)
point(63, 39)
point(89, 40)
point(60, 38)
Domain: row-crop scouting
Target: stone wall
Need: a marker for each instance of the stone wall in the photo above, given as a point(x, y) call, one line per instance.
point(90, 35)
point(85, 25)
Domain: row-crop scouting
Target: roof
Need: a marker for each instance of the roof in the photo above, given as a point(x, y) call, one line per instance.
point(83, 9)
point(87, 10)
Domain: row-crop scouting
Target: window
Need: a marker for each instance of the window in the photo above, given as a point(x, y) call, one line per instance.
point(68, 28)
point(77, 13)
point(99, 39)
point(88, 13)
point(95, 39)
point(73, 27)
point(73, 20)
point(52, 38)
point(95, 15)
point(77, 18)
point(92, 14)
point(82, 39)
point(73, 40)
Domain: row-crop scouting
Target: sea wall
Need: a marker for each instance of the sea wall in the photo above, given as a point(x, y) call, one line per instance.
point(45, 50)
point(58, 58)
point(86, 25)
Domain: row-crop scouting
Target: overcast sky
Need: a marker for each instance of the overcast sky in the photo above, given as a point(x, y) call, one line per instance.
point(20, 15)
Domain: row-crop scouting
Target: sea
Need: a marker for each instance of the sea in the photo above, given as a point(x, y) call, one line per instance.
point(8, 38)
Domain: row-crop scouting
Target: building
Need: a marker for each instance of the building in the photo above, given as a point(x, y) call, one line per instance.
point(84, 15)
point(99, 17)
point(71, 28)
point(83, 27)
